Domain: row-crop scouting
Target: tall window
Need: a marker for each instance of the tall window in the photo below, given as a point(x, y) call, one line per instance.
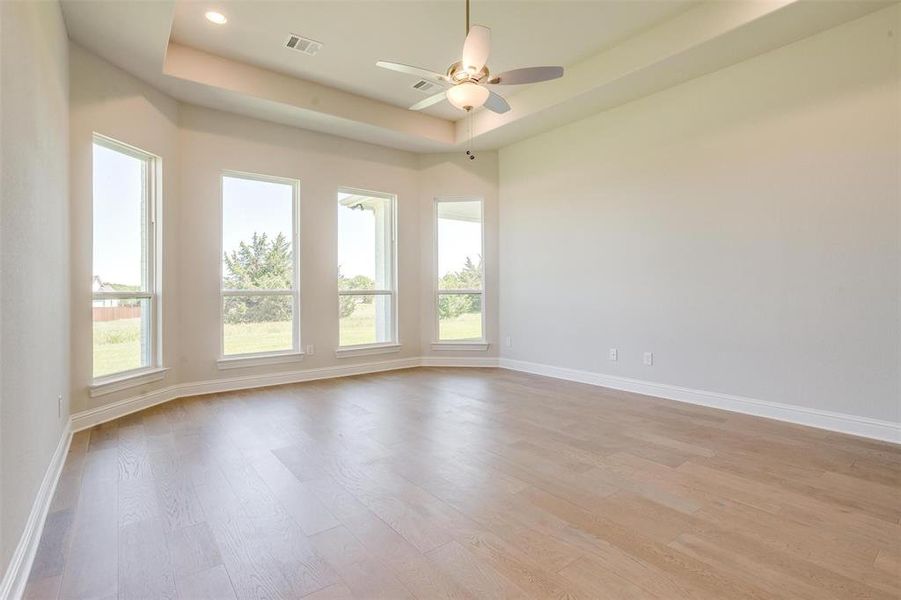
point(366, 284)
point(260, 287)
point(460, 291)
point(124, 294)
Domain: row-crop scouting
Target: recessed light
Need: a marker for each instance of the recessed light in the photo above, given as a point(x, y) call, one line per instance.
point(216, 17)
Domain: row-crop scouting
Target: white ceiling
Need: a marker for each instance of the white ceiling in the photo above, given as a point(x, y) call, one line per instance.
point(614, 51)
point(428, 34)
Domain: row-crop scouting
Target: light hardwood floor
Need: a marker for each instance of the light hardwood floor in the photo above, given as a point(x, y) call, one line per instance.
point(475, 483)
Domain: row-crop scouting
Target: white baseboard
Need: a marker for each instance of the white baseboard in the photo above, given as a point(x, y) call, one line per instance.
point(108, 412)
point(822, 419)
point(458, 361)
point(886, 431)
point(95, 416)
point(13, 585)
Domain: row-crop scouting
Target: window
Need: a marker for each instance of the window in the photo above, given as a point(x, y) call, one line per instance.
point(124, 264)
point(366, 284)
point(260, 287)
point(460, 291)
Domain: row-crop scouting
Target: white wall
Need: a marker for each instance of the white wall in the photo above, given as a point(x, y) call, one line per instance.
point(196, 144)
point(34, 248)
point(744, 227)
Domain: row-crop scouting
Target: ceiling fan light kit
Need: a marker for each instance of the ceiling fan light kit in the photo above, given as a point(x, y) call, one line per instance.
point(467, 95)
point(465, 81)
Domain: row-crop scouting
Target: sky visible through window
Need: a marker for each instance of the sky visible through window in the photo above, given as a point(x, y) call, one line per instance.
point(457, 239)
point(356, 241)
point(118, 217)
point(251, 206)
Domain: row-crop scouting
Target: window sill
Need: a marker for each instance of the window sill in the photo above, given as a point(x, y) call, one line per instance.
point(369, 350)
point(115, 383)
point(241, 362)
point(460, 346)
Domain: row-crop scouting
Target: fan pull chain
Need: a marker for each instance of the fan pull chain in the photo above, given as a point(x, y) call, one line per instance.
point(469, 151)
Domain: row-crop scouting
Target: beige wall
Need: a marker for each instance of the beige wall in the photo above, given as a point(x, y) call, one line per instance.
point(106, 100)
point(456, 175)
point(34, 249)
point(196, 145)
point(736, 238)
point(744, 227)
point(211, 141)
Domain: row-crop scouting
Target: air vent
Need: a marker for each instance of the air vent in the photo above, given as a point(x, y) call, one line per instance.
point(302, 44)
point(424, 86)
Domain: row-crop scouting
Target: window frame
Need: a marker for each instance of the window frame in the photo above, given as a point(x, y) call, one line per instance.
point(250, 358)
point(473, 343)
point(152, 174)
point(394, 342)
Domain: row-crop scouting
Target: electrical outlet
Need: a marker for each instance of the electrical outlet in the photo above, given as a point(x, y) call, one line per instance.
point(310, 349)
point(648, 358)
point(508, 342)
point(611, 354)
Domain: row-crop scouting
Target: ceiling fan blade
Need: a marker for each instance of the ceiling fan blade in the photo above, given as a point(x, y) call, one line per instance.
point(476, 48)
point(496, 103)
point(415, 72)
point(429, 101)
point(527, 75)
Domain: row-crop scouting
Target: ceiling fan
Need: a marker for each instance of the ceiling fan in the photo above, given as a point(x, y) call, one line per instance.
point(464, 83)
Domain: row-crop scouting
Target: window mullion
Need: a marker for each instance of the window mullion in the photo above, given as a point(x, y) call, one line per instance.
point(365, 292)
point(367, 316)
point(258, 292)
point(459, 313)
point(122, 295)
point(130, 314)
point(255, 321)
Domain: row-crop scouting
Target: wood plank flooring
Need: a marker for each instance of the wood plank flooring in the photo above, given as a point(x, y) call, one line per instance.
point(467, 483)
